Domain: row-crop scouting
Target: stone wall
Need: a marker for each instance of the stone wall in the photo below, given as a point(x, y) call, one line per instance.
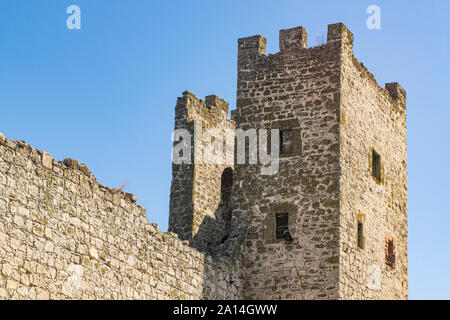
point(64, 236)
point(373, 119)
point(295, 89)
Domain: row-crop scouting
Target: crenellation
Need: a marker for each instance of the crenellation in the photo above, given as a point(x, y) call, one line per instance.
point(396, 91)
point(215, 101)
point(291, 39)
point(338, 33)
point(251, 47)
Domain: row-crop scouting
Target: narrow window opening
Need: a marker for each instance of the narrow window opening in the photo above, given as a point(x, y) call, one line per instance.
point(360, 235)
point(226, 193)
point(285, 141)
point(282, 225)
point(376, 166)
point(390, 253)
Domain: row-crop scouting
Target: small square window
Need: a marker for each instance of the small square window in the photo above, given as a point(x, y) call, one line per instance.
point(285, 141)
point(360, 235)
point(390, 253)
point(376, 166)
point(282, 225)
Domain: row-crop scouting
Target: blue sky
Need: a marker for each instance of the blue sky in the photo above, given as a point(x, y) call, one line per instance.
point(105, 94)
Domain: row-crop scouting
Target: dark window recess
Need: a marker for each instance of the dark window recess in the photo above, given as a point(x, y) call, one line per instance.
point(376, 166)
point(360, 235)
point(282, 226)
point(285, 141)
point(390, 253)
point(226, 191)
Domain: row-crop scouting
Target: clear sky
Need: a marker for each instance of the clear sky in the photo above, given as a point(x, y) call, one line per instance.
point(105, 94)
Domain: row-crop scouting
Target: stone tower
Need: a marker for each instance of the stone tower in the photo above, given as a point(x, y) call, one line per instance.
point(200, 199)
point(332, 222)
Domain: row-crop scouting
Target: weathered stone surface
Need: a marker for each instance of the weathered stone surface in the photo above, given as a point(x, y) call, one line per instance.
point(196, 212)
point(372, 118)
point(47, 160)
point(295, 89)
point(64, 236)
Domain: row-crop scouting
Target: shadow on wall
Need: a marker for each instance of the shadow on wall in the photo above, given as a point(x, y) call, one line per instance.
point(218, 240)
point(214, 232)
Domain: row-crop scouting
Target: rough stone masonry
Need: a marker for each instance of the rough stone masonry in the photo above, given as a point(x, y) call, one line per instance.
point(331, 224)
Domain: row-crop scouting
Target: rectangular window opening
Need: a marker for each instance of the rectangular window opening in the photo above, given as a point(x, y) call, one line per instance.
point(285, 141)
point(390, 253)
point(282, 225)
point(376, 166)
point(360, 235)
